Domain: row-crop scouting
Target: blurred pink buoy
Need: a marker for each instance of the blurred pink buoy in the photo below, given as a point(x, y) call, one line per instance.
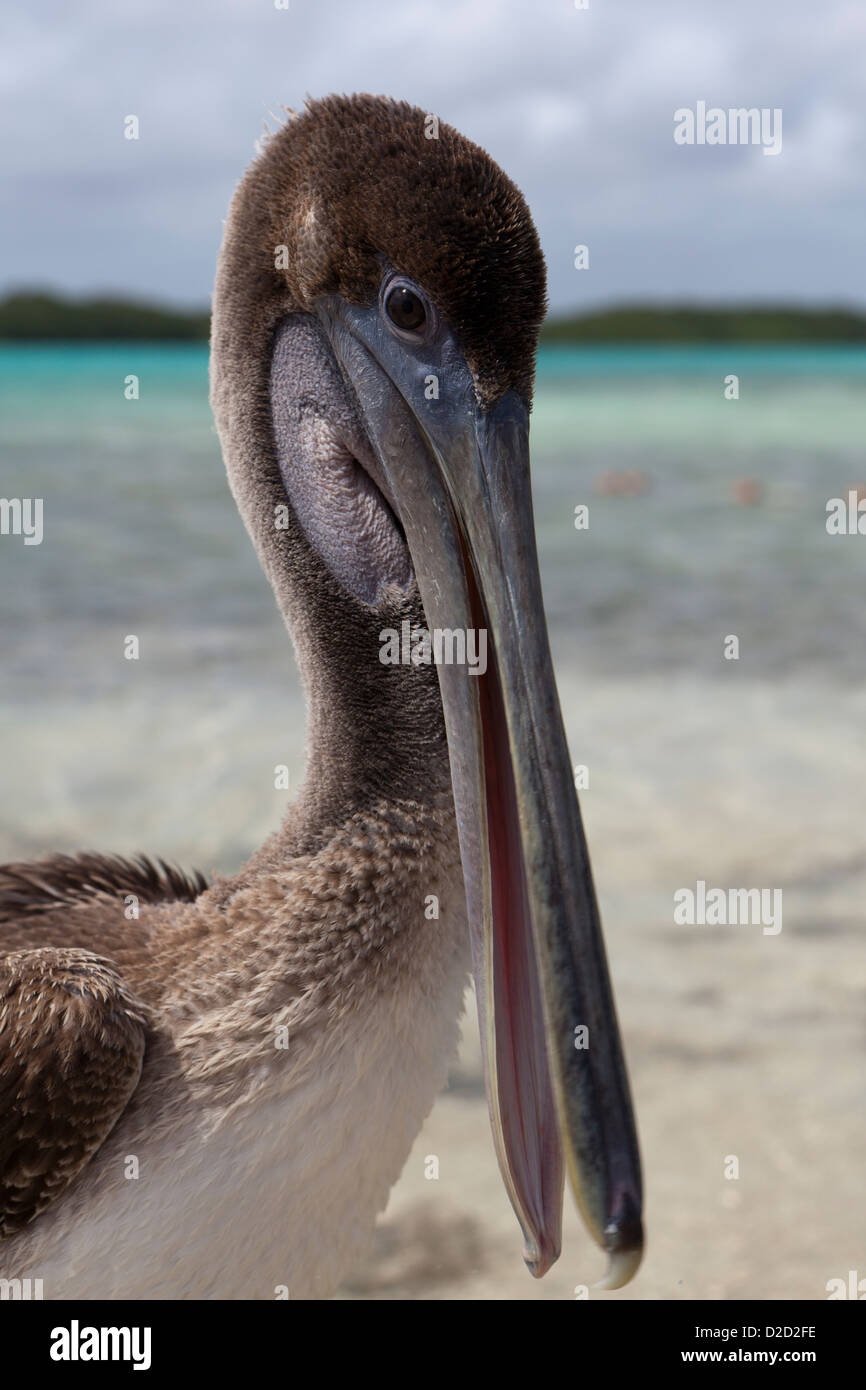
point(611, 483)
point(747, 492)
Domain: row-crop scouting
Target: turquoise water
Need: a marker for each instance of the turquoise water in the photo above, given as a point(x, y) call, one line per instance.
point(140, 527)
point(620, 361)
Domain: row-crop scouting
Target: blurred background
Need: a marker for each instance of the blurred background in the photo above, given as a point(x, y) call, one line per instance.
point(707, 508)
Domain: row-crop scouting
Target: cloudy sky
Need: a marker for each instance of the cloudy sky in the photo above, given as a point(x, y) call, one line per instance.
point(577, 105)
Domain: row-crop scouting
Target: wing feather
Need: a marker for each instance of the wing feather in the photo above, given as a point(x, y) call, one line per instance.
point(66, 880)
point(72, 1040)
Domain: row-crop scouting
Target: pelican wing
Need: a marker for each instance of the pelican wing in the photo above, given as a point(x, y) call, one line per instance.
point(72, 1041)
point(29, 890)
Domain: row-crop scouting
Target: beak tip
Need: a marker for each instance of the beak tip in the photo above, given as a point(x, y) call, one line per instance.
point(624, 1246)
point(540, 1255)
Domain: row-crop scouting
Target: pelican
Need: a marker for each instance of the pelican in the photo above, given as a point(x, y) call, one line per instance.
point(207, 1090)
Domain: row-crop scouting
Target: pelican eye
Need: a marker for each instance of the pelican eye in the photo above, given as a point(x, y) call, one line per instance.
point(406, 309)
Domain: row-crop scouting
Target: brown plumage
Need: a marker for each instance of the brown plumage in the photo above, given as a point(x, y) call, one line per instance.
point(367, 178)
point(72, 1035)
point(72, 1048)
point(65, 880)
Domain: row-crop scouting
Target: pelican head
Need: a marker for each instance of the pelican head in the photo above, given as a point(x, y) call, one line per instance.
point(377, 309)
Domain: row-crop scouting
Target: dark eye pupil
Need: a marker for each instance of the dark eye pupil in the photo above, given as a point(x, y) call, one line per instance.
point(405, 309)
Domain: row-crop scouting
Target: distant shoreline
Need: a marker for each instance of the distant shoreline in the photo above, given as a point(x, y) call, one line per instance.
point(670, 325)
point(40, 317)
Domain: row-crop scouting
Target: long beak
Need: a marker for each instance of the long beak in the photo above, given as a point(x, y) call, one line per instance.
point(554, 1069)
